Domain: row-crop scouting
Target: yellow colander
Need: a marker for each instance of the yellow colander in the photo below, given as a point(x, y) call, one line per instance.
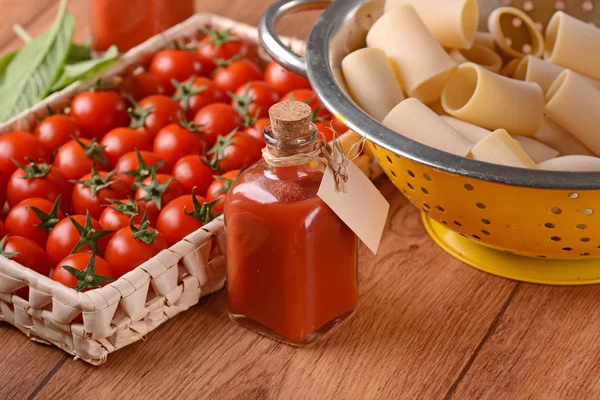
point(537, 214)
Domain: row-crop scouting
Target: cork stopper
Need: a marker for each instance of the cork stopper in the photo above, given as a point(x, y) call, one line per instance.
point(290, 119)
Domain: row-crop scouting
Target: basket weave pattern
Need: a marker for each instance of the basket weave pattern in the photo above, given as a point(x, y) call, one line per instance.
point(135, 304)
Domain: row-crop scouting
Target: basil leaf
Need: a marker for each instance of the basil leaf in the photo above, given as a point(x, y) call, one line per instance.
point(79, 52)
point(34, 69)
point(85, 69)
point(4, 61)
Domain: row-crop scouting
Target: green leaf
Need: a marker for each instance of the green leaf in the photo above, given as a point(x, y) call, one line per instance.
point(30, 75)
point(79, 52)
point(85, 69)
point(5, 61)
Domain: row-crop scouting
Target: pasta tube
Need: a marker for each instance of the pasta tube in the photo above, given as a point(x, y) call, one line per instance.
point(371, 82)
point(421, 64)
point(338, 75)
point(573, 44)
point(510, 67)
point(553, 135)
point(413, 119)
point(525, 38)
point(437, 108)
point(500, 148)
point(453, 23)
point(472, 133)
point(485, 39)
point(573, 104)
point(492, 101)
point(479, 55)
point(537, 151)
point(571, 163)
point(533, 69)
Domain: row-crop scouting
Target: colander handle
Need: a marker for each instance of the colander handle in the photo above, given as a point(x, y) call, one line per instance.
point(270, 39)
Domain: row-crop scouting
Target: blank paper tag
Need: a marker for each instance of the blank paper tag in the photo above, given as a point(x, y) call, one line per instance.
point(361, 207)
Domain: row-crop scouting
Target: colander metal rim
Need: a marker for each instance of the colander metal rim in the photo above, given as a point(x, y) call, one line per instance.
point(320, 74)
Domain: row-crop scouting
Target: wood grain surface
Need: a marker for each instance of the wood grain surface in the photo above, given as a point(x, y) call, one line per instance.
point(427, 327)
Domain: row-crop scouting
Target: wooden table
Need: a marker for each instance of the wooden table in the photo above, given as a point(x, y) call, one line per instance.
point(428, 326)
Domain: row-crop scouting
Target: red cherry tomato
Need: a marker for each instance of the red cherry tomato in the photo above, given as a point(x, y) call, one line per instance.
point(253, 100)
point(140, 85)
point(218, 189)
point(120, 141)
point(283, 80)
point(101, 275)
point(20, 146)
point(27, 253)
point(117, 215)
point(56, 130)
point(33, 218)
point(39, 180)
point(325, 128)
point(217, 119)
point(65, 237)
point(256, 130)
point(192, 172)
point(124, 252)
point(139, 165)
point(338, 125)
point(168, 65)
point(155, 112)
point(3, 182)
point(98, 112)
point(92, 191)
point(174, 141)
point(76, 157)
point(231, 77)
point(157, 191)
point(309, 97)
point(183, 216)
point(196, 93)
point(221, 45)
point(236, 151)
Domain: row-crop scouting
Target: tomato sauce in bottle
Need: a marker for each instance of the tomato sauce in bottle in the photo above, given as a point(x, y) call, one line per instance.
point(127, 23)
point(291, 261)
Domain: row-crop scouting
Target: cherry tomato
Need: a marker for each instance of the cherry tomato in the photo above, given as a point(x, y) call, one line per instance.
point(138, 165)
point(20, 146)
point(256, 130)
point(95, 272)
point(217, 119)
point(157, 191)
point(56, 130)
point(120, 141)
point(27, 253)
point(76, 157)
point(154, 113)
point(3, 182)
point(218, 189)
point(325, 128)
point(38, 180)
point(221, 45)
point(140, 85)
point(174, 141)
point(234, 75)
point(253, 100)
point(309, 97)
point(98, 112)
point(192, 172)
point(34, 218)
point(284, 81)
point(2, 229)
point(117, 215)
point(65, 238)
point(179, 65)
point(182, 216)
point(338, 125)
point(196, 93)
point(93, 190)
point(125, 252)
point(236, 151)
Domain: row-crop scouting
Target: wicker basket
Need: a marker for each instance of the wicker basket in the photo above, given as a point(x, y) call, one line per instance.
point(135, 304)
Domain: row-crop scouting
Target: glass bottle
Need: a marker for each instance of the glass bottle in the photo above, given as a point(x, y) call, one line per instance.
point(291, 261)
point(129, 23)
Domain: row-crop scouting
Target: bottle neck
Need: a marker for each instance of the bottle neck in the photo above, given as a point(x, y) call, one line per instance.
point(280, 147)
